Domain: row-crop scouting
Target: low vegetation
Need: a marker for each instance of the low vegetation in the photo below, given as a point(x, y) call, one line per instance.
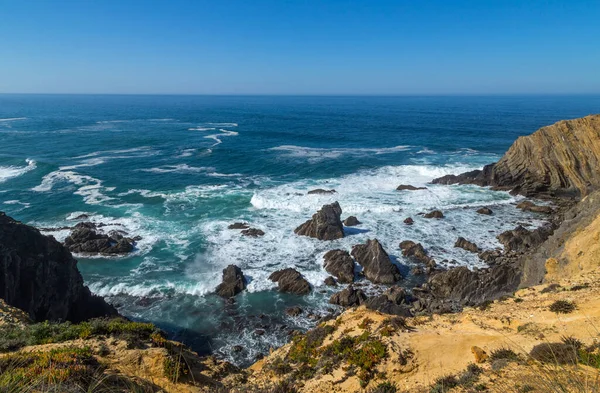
point(562, 307)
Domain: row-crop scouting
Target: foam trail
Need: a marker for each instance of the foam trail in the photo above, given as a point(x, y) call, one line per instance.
point(13, 119)
point(313, 154)
point(10, 172)
point(89, 187)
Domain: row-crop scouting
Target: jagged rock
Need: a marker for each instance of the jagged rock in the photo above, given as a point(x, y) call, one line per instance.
point(340, 264)
point(325, 224)
point(489, 256)
point(253, 232)
point(521, 239)
point(348, 297)
point(409, 221)
point(388, 305)
point(408, 187)
point(330, 282)
point(351, 221)
point(485, 210)
point(434, 214)
point(376, 263)
point(463, 243)
point(529, 206)
point(233, 282)
point(396, 295)
point(238, 225)
point(557, 160)
point(85, 239)
point(290, 281)
point(80, 217)
point(416, 251)
point(321, 191)
point(40, 276)
point(293, 311)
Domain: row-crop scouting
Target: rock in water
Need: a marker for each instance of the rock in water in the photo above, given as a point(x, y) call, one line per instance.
point(233, 282)
point(348, 297)
point(290, 281)
point(238, 225)
point(557, 160)
point(409, 221)
point(416, 251)
point(330, 282)
point(320, 191)
point(351, 221)
point(529, 206)
point(463, 243)
point(485, 210)
point(340, 264)
point(434, 214)
point(253, 232)
point(408, 187)
point(324, 224)
point(40, 276)
point(376, 263)
point(85, 239)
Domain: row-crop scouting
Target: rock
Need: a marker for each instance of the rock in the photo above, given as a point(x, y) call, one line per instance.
point(237, 348)
point(339, 264)
point(409, 221)
point(253, 232)
point(325, 224)
point(320, 191)
point(557, 160)
point(532, 207)
point(396, 295)
point(490, 256)
point(376, 263)
point(415, 250)
point(521, 239)
point(80, 217)
point(259, 332)
point(293, 311)
point(233, 282)
point(39, 276)
point(384, 305)
point(485, 210)
point(408, 187)
point(463, 243)
point(290, 281)
point(330, 282)
point(238, 225)
point(85, 239)
point(480, 355)
point(351, 221)
point(348, 297)
point(434, 214)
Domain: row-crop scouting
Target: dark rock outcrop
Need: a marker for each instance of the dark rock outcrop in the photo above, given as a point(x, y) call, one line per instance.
point(348, 297)
point(408, 187)
point(434, 214)
point(351, 221)
point(376, 263)
point(293, 311)
point(85, 239)
point(409, 221)
point(340, 264)
point(558, 160)
point(330, 282)
point(394, 301)
point(40, 276)
point(238, 225)
point(485, 210)
point(463, 243)
point(290, 281)
point(529, 206)
point(415, 250)
point(233, 282)
point(324, 224)
point(320, 191)
point(522, 240)
point(253, 232)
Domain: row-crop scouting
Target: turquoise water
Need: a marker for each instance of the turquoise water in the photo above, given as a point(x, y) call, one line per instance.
point(177, 170)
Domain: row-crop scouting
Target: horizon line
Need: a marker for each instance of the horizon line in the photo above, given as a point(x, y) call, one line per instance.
point(315, 94)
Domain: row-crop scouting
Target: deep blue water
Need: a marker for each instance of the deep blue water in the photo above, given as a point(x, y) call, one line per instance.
point(177, 170)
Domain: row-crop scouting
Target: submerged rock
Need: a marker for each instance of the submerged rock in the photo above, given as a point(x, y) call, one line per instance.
point(233, 282)
point(320, 191)
point(463, 243)
point(434, 214)
point(340, 264)
point(238, 225)
point(348, 297)
point(290, 281)
point(485, 210)
point(376, 263)
point(408, 187)
point(85, 239)
point(351, 221)
point(409, 221)
point(324, 224)
point(253, 232)
point(330, 282)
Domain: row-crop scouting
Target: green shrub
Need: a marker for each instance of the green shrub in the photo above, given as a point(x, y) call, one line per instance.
point(503, 354)
point(444, 384)
point(385, 387)
point(562, 307)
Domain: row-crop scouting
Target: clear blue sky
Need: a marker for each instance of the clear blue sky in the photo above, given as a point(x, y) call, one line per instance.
point(300, 47)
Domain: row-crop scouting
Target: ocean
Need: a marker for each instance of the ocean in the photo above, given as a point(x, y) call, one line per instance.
point(177, 170)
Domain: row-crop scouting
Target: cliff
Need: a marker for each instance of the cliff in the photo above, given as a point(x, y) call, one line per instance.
point(40, 276)
point(562, 159)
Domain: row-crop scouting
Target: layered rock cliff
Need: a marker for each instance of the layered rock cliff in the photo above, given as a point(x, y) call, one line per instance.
point(558, 160)
point(40, 276)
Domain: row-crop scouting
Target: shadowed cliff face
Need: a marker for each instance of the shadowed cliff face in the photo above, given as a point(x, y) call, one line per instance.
point(558, 160)
point(39, 276)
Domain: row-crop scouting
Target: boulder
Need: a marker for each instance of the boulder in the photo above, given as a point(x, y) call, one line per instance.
point(409, 221)
point(330, 282)
point(340, 264)
point(348, 297)
point(293, 311)
point(376, 263)
point(463, 243)
point(408, 187)
point(416, 251)
point(320, 191)
point(233, 282)
point(85, 239)
point(325, 224)
point(485, 210)
point(39, 276)
point(351, 221)
point(529, 206)
point(434, 214)
point(480, 355)
point(290, 281)
point(253, 232)
point(521, 239)
point(393, 302)
point(238, 225)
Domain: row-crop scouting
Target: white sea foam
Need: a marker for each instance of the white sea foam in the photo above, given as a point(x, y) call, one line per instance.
point(186, 153)
point(201, 129)
point(89, 187)
point(25, 205)
point(181, 168)
point(314, 154)
point(9, 172)
point(12, 119)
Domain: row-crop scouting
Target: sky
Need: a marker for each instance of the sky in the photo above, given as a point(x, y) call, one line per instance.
point(387, 47)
